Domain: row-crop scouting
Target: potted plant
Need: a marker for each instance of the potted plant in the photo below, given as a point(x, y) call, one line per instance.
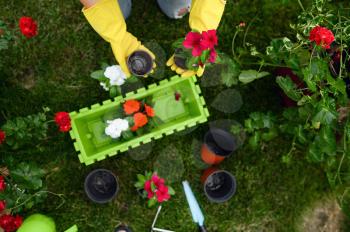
point(196, 50)
point(152, 187)
point(140, 63)
point(171, 113)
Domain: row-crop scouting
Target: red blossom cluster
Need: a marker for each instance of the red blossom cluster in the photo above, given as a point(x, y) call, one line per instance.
point(322, 37)
point(8, 222)
point(200, 42)
point(63, 121)
point(28, 26)
point(140, 112)
point(155, 187)
point(2, 136)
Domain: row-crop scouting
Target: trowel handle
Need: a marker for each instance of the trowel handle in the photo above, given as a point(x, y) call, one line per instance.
point(202, 229)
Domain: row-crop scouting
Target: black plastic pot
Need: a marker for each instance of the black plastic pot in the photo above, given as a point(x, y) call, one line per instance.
point(220, 186)
point(218, 145)
point(140, 63)
point(122, 229)
point(178, 60)
point(101, 186)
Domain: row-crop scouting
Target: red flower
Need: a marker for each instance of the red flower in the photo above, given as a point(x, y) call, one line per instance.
point(131, 106)
point(2, 184)
point(10, 223)
point(213, 55)
point(322, 37)
point(193, 41)
point(162, 193)
point(17, 221)
point(62, 119)
point(209, 39)
point(2, 205)
point(157, 180)
point(140, 120)
point(149, 111)
point(177, 96)
point(2, 136)
point(28, 27)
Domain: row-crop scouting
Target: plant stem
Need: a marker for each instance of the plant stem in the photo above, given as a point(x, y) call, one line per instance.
point(34, 195)
point(301, 5)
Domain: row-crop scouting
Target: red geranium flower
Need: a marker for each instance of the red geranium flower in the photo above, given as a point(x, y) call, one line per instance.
point(62, 119)
point(2, 205)
point(209, 39)
point(322, 36)
point(2, 184)
point(131, 106)
point(213, 55)
point(28, 27)
point(193, 41)
point(149, 111)
point(2, 136)
point(17, 221)
point(162, 193)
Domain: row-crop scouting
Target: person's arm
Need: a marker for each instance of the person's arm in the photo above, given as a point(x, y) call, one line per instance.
point(88, 3)
point(107, 19)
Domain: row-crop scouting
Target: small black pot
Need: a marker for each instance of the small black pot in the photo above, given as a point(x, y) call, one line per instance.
point(122, 229)
point(140, 63)
point(178, 60)
point(101, 186)
point(220, 186)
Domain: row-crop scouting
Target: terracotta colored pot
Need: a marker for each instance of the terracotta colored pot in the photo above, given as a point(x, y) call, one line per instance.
point(219, 185)
point(218, 145)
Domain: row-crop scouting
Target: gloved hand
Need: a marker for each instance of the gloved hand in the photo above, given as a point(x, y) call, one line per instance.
point(205, 15)
point(107, 20)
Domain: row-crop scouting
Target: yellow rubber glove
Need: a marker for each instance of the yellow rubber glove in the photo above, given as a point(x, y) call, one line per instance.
point(107, 20)
point(205, 15)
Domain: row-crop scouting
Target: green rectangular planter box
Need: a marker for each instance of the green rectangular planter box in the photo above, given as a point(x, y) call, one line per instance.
point(88, 125)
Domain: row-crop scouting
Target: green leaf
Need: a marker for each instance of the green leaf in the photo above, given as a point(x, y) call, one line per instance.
point(28, 176)
point(127, 135)
point(114, 91)
point(230, 72)
point(139, 185)
point(289, 88)
point(248, 76)
point(314, 153)
point(254, 141)
point(141, 178)
point(328, 140)
point(98, 75)
point(152, 202)
point(325, 116)
point(171, 190)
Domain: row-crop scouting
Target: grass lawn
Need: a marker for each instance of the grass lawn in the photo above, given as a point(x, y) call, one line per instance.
point(53, 70)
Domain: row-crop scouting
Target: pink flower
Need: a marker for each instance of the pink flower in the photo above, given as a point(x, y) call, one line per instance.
point(157, 180)
point(162, 193)
point(213, 55)
point(209, 39)
point(193, 41)
point(147, 186)
point(150, 195)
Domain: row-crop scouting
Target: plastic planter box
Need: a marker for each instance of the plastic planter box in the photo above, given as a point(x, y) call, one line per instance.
point(88, 125)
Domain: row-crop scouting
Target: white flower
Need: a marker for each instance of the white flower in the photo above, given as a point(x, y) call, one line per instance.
point(115, 75)
point(104, 86)
point(116, 127)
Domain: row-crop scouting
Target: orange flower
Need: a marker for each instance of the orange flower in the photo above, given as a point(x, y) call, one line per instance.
point(140, 120)
point(131, 106)
point(149, 111)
